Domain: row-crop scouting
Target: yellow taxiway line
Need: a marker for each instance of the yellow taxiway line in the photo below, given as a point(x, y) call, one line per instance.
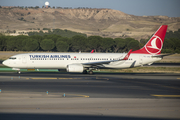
point(166, 95)
point(43, 78)
point(77, 95)
point(51, 78)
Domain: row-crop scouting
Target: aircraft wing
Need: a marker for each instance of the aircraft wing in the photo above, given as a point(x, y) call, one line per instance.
point(107, 62)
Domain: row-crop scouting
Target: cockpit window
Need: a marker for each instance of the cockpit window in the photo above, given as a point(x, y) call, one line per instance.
point(12, 58)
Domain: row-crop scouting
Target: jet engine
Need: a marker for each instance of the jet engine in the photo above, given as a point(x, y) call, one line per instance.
point(75, 68)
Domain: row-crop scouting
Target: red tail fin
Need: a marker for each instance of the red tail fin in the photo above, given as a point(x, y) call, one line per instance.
point(154, 45)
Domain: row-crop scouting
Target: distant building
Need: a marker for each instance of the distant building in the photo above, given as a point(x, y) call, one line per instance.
point(25, 32)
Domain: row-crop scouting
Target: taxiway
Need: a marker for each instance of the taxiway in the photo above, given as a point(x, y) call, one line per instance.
point(99, 96)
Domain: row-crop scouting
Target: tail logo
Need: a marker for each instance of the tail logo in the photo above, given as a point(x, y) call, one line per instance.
point(155, 45)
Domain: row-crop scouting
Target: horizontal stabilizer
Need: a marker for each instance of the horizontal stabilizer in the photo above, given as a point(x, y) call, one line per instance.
point(161, 56)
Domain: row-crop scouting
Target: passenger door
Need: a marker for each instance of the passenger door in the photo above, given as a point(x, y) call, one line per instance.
point(24, 59)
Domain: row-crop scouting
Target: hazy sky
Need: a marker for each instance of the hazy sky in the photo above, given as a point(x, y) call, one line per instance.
point(169, 8)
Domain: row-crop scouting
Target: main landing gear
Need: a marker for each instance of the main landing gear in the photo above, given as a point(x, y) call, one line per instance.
point(90, 72)
point(84, 71)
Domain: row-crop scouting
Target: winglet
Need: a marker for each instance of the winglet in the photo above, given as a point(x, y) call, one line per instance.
point(92, 51)
point(127, 56)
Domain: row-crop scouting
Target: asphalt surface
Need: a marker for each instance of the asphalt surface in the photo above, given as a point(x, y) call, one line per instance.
point(99, 85)
point(82, 96)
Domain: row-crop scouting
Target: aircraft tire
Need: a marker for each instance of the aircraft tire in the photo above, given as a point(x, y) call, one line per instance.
point(84, 71)
point(90, 72)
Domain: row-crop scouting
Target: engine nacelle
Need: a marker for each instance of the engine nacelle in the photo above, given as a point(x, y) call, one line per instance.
point(75, 68)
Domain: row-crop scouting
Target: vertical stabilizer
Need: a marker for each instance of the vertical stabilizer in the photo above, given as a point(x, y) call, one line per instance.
point(155, 44)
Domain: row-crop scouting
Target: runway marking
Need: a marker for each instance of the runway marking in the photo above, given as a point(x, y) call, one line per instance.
point(52, 78)
point(171, 87)
point(75, 95)
point(69, 78)
point(65, 78)
point(166, 95)
point(43, 78)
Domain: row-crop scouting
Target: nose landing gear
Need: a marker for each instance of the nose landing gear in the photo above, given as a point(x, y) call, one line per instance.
point(19, 72)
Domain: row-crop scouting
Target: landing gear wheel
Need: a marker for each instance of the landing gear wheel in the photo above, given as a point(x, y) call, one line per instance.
point(84, 71)
point(90, 72)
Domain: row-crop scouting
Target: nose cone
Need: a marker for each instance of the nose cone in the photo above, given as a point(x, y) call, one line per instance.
point(5, 63)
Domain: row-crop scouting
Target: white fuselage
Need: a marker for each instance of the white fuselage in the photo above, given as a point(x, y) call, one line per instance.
point(61, 60)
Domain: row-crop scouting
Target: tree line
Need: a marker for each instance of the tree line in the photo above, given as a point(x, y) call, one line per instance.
point(55, 42)
point(172, 42)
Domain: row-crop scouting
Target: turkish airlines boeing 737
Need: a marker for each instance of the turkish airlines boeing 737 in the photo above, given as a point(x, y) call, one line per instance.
point(81, 62)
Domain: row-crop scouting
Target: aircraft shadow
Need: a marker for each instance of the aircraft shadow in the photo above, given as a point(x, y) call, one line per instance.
point(21, 116)
point(55, 74)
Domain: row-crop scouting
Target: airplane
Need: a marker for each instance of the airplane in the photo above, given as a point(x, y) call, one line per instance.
point(83, 62)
